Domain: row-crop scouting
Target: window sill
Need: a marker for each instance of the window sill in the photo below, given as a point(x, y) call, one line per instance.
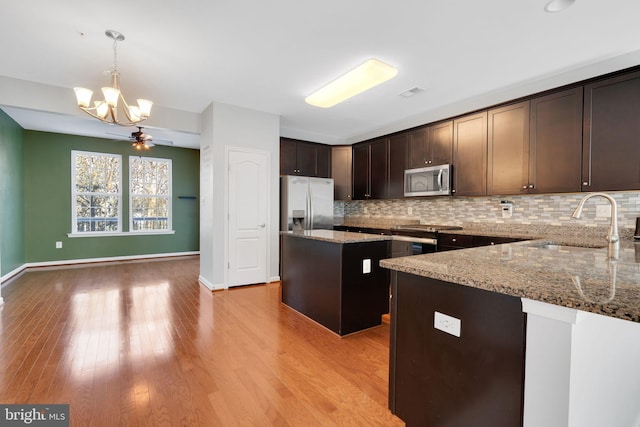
point(121, 234)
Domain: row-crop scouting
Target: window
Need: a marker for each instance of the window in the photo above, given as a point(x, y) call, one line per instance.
point(96, 192)
point(149, 194)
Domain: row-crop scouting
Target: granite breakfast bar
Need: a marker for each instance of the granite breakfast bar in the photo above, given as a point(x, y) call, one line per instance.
point(582, 329)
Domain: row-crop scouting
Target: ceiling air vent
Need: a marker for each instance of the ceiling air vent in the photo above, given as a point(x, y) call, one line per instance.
point(409, 93)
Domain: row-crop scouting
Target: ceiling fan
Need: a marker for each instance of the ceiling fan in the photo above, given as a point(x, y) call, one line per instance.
point(141, 140)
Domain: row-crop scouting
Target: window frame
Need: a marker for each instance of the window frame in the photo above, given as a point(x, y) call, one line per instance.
point(168, 197)
point(74, 195)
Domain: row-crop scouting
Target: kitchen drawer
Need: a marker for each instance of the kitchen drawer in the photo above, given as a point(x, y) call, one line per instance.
point(455, 240)
point(489, 240)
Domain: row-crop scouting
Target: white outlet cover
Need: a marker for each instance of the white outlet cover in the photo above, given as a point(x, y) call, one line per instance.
point(58, 245)
point(450, 325)
point(366, 266)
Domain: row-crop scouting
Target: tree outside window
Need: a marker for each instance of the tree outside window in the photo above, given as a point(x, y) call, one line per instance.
point(96, 192)
point(149, 194)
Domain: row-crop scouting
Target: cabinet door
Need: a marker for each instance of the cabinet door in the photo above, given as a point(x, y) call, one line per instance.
point(508, 149)
point(288, 164)
point(470, 155)
point(378, 169)
point(398, 159)
point(341, 171)
point(418, 148)
point(361, 172)
point(307, 158)
point(440, 138)
point(323, 161)
point(556, 142)
point(611, 141)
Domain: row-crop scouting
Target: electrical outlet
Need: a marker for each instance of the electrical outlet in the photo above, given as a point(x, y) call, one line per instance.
point(366, 266)
point(58, 245)
point(410, 210)
point(507, 210)
point(603, 211)
point(448, 324)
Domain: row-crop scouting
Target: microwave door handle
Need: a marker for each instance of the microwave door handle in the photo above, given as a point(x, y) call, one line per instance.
point(440, 180)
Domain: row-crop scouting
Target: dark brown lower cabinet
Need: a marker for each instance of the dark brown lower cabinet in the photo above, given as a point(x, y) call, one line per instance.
point(437, 379)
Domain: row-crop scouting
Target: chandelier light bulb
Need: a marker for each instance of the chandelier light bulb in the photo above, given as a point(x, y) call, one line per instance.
point(102, 109)
point(83, 96)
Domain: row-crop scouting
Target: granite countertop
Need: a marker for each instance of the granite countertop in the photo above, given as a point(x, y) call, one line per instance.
point(336, 236)
point(576, 277)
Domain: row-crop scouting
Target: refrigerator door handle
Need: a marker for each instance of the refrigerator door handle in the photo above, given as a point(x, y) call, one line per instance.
point(310, 209)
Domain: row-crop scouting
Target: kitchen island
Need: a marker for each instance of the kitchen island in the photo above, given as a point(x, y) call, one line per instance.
point(335, 278)
point(582, 331)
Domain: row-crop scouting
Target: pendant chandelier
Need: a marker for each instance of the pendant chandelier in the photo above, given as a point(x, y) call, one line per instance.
point(106, 110)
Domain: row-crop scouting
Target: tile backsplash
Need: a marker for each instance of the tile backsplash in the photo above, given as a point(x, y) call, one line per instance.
point(551, 209)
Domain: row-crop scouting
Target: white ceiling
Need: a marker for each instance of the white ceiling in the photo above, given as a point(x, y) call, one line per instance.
point(269, 55)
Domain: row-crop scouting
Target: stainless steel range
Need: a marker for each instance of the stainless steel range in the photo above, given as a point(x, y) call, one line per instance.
point(422, 238)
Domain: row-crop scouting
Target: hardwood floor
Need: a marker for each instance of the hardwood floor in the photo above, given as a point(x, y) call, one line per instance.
point(144, 344)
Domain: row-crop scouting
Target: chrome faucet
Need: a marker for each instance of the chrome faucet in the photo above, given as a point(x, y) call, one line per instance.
point(613, 238)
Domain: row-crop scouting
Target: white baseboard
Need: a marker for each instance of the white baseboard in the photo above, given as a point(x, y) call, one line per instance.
point(274, 279)
point(59, 263)
point(211, 286)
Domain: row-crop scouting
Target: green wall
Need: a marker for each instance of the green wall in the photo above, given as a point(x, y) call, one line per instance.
point(47, 184)
point(12, 226)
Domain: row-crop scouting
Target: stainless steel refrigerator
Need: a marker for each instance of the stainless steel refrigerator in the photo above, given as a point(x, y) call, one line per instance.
point(306, 203)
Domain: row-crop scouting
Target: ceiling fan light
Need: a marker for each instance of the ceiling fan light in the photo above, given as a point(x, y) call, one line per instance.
point(365, 76)
point(145, 107)
point(111, 95)
point(83, 96)
point(101, 108)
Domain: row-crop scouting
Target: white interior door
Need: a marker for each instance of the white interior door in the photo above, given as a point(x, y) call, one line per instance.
point(248, 217)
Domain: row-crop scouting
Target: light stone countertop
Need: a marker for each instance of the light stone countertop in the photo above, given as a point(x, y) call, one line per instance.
point(341, 237)
point(576, 277)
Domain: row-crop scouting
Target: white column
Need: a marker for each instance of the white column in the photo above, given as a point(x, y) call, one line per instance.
point(581, 369)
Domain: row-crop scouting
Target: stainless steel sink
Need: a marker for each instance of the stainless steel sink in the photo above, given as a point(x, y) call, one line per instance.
point(557, 247)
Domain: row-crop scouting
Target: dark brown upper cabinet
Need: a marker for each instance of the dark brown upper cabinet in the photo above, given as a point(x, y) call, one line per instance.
point(611, 140)
point(470, 155)
point(370, 169)
point(431, 145)
point(398, 162)
point(304, 158)
point(508, 149)
point(555, 141)
point(341, 164)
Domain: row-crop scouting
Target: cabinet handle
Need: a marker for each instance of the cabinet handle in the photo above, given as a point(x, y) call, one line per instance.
point(585, 183)
point(524, 187)
point(454, 240)
point(530, 185)
point(453, 191)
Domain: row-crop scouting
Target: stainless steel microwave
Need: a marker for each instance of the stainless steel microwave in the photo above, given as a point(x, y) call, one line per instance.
point(429, 181)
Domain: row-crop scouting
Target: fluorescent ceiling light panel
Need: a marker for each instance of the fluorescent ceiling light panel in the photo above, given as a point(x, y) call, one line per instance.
point(365, 76)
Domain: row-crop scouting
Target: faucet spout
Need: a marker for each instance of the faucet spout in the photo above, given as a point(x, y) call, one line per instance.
point(613, 238)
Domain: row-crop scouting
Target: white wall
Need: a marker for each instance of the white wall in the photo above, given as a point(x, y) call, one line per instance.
point(224, 126)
